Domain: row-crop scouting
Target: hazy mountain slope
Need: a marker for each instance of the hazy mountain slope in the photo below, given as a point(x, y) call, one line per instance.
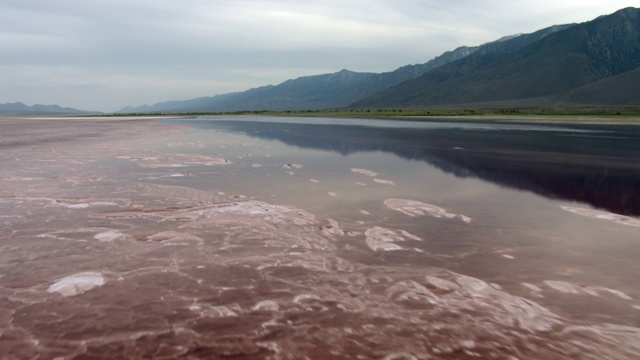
point(334, 90)
point(559, 62)
point(20, 109)
point(340, 89)
point(309, 92)
point(177, 104)
point(616, 90)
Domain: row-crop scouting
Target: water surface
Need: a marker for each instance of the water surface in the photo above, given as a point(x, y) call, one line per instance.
point(262, 237)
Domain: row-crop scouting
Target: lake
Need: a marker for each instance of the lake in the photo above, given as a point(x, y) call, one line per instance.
point(267, 237)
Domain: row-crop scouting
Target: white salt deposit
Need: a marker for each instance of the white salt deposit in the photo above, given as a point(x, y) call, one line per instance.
point(532, 287)
point(266, 305)
point(332, 229)
point(570, 288)
point(603, 215)
point(411, 290)
point(302, 298)
point(385, 182)
point(379, 238)
point(77, 284)
point(383, 234)
point(410, 236)
point(416, 208)
point(441, 284)
point(273, 214)
point(176, 160)
point(207, 310)
point(475, 287)
point(174, 237)
point(364, 172)
point(375, 245)
point(71, 203)
point(618, 293)
point(399, 356)
point(110, 235)
point(565, 287)
point(74, 206)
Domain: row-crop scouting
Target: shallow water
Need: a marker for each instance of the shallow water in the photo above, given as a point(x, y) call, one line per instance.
point(262, 237)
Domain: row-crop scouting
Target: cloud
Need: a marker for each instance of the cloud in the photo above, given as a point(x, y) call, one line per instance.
point(175, 49)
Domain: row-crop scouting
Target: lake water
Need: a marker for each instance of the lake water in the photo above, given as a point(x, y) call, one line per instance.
point(264, 237)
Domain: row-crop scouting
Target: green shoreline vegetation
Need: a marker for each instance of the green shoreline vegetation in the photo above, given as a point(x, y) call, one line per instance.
point(559, 115)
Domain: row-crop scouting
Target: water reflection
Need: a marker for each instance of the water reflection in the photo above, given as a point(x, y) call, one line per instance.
point(597, 166)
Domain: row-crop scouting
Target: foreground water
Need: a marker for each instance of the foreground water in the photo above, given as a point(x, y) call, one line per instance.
point(284, 238)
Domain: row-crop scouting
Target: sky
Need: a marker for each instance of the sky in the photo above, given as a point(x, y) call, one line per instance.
point(103, 55)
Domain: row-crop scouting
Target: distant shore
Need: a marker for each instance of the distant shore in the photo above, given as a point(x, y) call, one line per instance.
point(625, 117)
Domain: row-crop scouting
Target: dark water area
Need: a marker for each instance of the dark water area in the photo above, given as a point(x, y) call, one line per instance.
point(599, 166)
point(291, 238)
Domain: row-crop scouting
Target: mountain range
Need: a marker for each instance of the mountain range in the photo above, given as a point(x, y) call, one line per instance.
point(596, 63)
point(327, 91)
point(548, 70)
point(20, 109)
point(592, 63)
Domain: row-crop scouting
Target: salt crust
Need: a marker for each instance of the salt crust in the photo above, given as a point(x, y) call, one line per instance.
point(77, 284)
point(68, 203)
point(364, 172)
point(603, 215)
point(275, 213)
point(379, 238)
point(385, 182)
point(415, 208)
point(110, 235)
point(575, 289)
point(456, 291)
point(175, 160)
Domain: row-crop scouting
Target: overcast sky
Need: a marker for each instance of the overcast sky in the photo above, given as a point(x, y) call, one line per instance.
point(106, 54)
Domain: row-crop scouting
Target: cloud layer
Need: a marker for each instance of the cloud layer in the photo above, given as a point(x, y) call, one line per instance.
point(105, 54)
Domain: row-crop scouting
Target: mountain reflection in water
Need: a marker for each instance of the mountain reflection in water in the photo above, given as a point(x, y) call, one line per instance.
point(597, 166)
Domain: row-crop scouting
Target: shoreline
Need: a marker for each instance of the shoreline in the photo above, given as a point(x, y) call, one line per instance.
point(578, 120)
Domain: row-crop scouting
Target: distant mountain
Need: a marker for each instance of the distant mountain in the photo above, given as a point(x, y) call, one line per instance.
point(336, 90)
point(563, 64)
point(340, 89)
point(616, 90)
point(20, 109)
point(556, 63)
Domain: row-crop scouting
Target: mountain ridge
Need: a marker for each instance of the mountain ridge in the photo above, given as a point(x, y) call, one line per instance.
point(334, 90)
point(566, 59)
point(592, 63)
point(21, 109)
